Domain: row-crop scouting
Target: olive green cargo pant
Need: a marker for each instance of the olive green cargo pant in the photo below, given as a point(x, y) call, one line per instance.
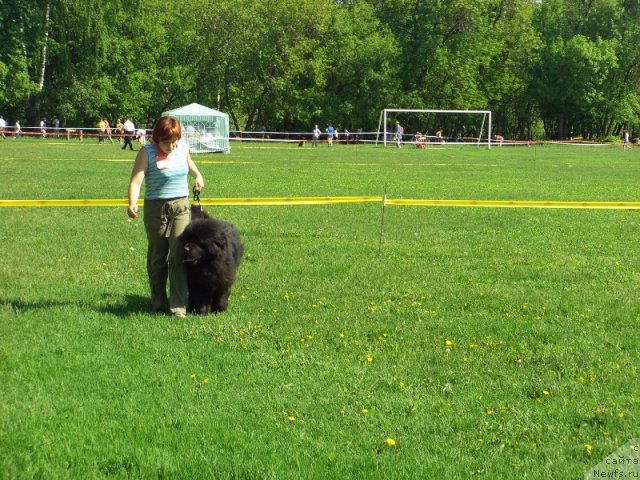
point(164, 221)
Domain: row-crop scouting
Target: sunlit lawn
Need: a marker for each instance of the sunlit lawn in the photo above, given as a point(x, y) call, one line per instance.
point(454, 342)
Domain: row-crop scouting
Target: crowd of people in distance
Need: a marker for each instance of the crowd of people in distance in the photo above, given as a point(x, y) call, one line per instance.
point(125, 132)
point(330, 133)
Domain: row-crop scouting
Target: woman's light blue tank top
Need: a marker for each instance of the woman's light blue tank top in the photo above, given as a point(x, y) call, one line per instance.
point(166, 175)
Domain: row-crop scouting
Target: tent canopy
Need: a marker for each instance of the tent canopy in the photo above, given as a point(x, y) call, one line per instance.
point(203, 129)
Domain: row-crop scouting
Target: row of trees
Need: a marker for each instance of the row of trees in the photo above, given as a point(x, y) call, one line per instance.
point(550, 68)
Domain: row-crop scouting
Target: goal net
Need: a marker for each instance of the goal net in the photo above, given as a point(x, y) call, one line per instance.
point(422, 126)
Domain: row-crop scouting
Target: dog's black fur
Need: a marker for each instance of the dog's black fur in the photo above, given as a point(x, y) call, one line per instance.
point(212, 254)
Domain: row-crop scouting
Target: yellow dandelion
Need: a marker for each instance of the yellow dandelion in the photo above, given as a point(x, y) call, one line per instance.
point(341, 335)
point(291, 418)
point(620, 414)
point(286, 296)
point(448, 343)
point(365, 410)
point(390, 442)
point(205, 380)
point(401, 384)
point(370, 358)
point(588, 448)
point(192, 376)
point(489, 411)
point(545, 392)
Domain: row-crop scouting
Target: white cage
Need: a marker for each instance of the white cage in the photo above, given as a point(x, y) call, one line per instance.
point(203, 129)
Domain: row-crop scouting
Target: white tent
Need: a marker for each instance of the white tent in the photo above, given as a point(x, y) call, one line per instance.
point(203, 129)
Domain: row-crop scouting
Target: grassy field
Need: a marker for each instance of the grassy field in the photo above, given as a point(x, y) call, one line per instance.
point(480, 342)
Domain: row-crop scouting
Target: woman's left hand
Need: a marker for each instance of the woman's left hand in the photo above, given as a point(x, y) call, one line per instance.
point(198, 184)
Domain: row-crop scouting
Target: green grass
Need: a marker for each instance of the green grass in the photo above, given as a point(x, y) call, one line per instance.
point(489, 343)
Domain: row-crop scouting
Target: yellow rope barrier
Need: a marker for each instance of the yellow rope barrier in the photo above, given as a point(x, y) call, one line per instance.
point(517, 204)
point(341, 200)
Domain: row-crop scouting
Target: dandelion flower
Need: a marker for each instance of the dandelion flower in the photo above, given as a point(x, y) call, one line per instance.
point(448, 343)
point(365, 410)
point(390, 442)
point(620, 414)
point(545, 392)
point(588, 448)
point(291, 418)
point(192, 376)
point(370, 358)
point(206, 380)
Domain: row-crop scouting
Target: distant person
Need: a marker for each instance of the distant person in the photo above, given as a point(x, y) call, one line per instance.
point(499, 139)
point(315, 136)
point(3, 125)
point(119, 130)
point(43, 127)
point(141, 134)
point(330, 131)
point(398, 132)
point(102, 130)
point(17, 129)
point(108, 130)
point(439, 136)
point(625, 139)
point(164, 165)
point(129, 130)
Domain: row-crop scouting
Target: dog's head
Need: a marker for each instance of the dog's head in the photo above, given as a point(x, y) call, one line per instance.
point(202, 242)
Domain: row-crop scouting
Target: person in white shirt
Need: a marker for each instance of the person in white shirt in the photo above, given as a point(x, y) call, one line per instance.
point(3, 125)
point(315, 136)
point(129, 132)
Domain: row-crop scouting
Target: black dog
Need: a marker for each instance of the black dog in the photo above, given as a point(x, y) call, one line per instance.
point(212, 254)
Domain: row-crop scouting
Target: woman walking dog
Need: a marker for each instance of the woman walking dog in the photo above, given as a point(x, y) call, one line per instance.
point(165, 163)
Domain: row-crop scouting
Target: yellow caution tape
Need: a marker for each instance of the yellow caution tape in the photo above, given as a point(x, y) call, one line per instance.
point(205, 201)
point(517, 204)
point(337, 200)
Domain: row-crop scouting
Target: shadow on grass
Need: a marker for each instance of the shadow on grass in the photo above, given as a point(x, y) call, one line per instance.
point(124, 306)
point(120, 306)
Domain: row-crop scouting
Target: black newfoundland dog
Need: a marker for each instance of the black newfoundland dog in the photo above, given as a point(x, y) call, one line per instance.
point(212, 254)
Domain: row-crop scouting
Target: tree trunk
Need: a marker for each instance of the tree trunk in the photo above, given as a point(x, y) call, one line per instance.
point(44, 46)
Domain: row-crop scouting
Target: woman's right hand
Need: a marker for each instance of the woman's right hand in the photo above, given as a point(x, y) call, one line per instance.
point(132, 211)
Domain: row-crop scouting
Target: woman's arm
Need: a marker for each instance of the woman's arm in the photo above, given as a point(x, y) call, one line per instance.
point(137, 176)
point(195, 173)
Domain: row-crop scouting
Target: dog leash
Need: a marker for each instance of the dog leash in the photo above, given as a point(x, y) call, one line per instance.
point(196, 198)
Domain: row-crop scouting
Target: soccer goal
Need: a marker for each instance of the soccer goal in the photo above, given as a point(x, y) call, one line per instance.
point(460, 126)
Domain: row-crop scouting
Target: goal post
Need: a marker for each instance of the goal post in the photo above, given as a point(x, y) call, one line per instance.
point(386, 131)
